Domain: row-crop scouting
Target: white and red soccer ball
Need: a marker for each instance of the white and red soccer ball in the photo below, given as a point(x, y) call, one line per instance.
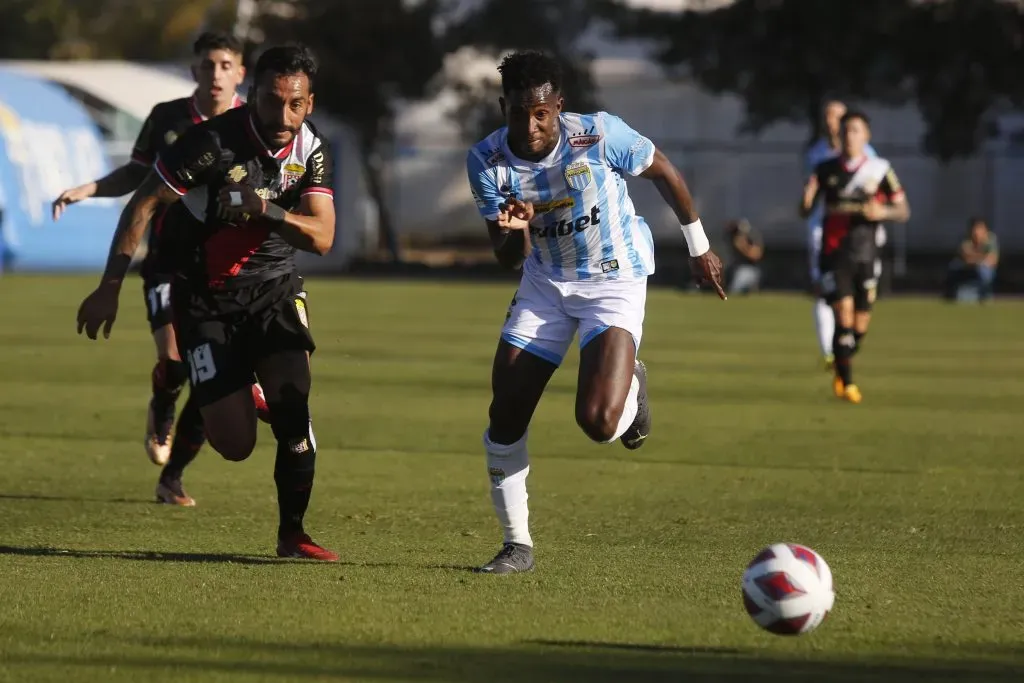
point(787, 589)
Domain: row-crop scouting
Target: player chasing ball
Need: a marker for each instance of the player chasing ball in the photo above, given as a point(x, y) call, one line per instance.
point(859, 192)
point(550, 185)
point(218, 72)
point(254, 185)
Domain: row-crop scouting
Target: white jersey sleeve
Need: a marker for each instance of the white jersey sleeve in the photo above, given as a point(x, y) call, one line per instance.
point(625, 149)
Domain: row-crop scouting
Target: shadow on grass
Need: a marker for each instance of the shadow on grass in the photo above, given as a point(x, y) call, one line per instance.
point(73, 499)
point(561, 661)
point(223, 558)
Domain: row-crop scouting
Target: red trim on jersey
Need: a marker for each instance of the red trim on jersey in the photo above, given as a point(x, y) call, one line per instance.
point(140, 158)
point(852, 165)
point(228, 249)
point(166, 176)
point(317, 190)
point(255, 135)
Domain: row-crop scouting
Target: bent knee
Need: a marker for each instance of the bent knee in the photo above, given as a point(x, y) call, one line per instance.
point(235, 447)
point(599, 420)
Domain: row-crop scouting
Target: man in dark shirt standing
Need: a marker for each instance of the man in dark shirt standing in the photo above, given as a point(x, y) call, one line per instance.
point(218, 72)
point(859, 192)
point(256, 185)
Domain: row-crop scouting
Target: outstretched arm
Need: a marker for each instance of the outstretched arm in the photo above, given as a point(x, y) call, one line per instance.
point(132, 225)
point(669, 181)
point(117, 183)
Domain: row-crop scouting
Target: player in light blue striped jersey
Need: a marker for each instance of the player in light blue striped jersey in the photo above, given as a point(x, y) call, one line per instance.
point(552, 187)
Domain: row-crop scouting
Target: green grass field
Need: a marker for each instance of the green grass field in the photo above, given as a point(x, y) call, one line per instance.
point(915, 497)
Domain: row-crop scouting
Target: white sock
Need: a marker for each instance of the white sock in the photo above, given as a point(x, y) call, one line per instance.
point(825, 324)
point(508, 466)
point(629, 410)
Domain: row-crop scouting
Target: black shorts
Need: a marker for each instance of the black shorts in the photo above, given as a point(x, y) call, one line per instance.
point(843, 277)
point(156, 290)
point(224, 335)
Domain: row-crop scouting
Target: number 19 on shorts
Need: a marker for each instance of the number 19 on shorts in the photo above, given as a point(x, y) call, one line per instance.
point(200, 364)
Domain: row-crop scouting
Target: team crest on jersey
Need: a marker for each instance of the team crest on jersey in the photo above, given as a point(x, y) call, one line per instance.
point(578, 175)
point(291, 174)
point(236, 173)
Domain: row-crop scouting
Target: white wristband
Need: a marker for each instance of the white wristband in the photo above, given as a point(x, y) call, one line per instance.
point(696, 240)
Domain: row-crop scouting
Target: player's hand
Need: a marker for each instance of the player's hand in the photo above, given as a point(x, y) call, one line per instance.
point(515, 214)
point(708, 268)
point(239, 200)
point(99, 308)
point(69, 197)
point(874, 211)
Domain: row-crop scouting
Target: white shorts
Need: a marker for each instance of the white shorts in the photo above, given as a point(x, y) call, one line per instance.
point(545, 315)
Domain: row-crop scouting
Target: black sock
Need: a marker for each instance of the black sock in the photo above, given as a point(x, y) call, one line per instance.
point(169, 376)
point(844, 344)
point(189, 437)
point(295, 464)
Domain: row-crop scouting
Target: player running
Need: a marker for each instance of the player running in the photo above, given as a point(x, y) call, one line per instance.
point(551, 187)
point(828, 147)
point(218, 72)
point(255, 185)
point(858, 192)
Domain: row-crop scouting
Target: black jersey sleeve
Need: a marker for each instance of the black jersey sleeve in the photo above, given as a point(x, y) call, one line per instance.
point(146, 145)
point(319, 175)
point(193, 159)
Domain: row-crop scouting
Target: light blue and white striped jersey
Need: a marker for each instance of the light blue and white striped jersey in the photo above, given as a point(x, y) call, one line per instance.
point(585, 227)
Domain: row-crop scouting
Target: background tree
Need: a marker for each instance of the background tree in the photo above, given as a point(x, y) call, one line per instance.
point(953, 58)
point(372, 55)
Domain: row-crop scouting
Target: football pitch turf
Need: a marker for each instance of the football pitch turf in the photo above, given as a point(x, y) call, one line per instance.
point(915, 498)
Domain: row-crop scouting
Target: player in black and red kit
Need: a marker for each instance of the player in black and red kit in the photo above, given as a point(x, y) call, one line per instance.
point(256, 183)
point(859, 193)
point(218, 72)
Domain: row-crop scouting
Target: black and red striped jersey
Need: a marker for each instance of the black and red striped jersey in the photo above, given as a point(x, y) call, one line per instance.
point(228, 149)
point(845, 187)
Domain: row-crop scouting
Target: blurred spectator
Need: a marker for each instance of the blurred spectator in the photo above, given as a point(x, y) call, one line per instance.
point(747, 249)
point(973, 271)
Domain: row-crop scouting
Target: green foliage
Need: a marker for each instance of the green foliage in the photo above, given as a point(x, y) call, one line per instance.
point(956, 59)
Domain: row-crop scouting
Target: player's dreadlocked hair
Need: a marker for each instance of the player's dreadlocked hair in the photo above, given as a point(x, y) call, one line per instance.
point(217, 40)
point(529, 69)
point(286, 60)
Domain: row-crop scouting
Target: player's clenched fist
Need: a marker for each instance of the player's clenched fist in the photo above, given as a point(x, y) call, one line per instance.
point(99, 308)
point(515, 214)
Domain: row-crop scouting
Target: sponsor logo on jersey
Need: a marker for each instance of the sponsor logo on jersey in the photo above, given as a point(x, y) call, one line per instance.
point(568, 226)
point(236, 173)
point(495, 157)
point(563, 203)
point(578, 175)
point(584, 140)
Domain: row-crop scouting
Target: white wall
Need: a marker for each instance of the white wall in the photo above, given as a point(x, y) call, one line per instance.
point(730, 175)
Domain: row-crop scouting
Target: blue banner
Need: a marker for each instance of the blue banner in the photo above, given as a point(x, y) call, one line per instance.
point(48, 143)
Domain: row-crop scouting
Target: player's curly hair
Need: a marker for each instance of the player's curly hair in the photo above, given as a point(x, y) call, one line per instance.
point(286, 60)
point(217, 40)
point(529, 69)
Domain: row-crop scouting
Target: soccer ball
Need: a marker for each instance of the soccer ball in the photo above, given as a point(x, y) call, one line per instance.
point(787, 589)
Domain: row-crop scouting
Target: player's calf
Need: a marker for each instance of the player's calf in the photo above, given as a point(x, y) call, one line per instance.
point(168, 378)
point(295, 464)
